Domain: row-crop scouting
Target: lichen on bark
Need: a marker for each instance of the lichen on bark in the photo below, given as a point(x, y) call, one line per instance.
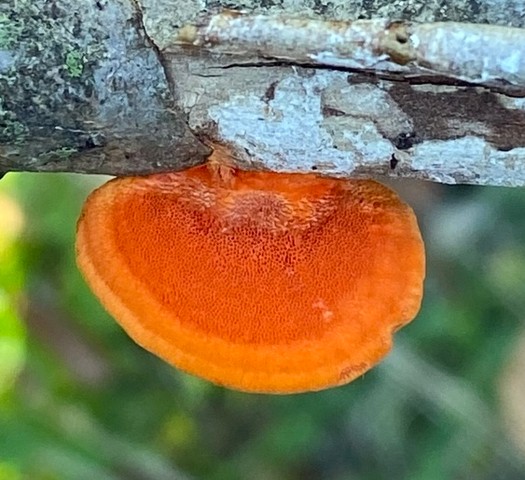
point(82, 77)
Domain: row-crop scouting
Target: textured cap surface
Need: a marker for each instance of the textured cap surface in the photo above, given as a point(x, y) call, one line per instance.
point(263, 282)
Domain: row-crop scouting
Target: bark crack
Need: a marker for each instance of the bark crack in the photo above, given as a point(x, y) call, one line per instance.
point(170, 80)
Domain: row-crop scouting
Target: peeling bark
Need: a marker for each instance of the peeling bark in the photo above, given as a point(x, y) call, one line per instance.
point(113, 87)
point(485, 55)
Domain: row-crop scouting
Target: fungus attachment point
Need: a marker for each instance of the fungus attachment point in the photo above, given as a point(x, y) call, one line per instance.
point(268, 282)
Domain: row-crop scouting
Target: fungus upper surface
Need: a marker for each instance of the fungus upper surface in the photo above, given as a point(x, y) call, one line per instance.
point(261, 282)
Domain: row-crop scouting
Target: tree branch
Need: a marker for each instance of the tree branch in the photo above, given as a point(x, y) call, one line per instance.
point(129, 87)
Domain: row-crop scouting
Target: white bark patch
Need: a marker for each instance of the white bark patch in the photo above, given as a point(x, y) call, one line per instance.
point(484, 54)
point(290, 131)
point(469, 160)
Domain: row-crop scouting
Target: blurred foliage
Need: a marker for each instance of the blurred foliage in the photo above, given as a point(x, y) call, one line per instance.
point(79, 400)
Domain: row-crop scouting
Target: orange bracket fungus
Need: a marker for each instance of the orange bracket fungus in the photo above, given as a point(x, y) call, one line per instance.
point(259, 281)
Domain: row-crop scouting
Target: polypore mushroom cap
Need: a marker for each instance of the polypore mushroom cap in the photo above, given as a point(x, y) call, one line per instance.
point(266, 282)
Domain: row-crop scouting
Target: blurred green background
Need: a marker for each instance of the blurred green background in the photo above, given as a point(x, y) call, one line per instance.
point(79, 400)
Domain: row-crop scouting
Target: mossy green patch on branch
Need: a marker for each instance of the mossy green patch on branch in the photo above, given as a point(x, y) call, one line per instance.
point(50, 42)
point(47, 84)
point(11, 130)
point(9, 31)
point(74, 63)
point(75, 76)
point(63, 153)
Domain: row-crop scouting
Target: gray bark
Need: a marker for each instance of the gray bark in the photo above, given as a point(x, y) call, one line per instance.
point(141, 86)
